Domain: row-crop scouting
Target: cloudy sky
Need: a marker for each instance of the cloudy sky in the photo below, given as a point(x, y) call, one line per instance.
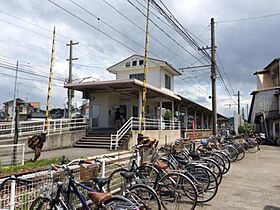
point(111, 30)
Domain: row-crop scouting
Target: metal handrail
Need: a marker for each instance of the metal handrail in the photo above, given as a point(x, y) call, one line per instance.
point(120, 133)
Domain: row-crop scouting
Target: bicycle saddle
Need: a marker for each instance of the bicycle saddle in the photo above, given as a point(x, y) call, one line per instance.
point(160, 165)
point(128, 175)
point(98, 197)
point(101, 181)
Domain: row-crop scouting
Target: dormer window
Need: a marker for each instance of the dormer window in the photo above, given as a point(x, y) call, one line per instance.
point(134, 63)
point(127, 64)
point(141, 62)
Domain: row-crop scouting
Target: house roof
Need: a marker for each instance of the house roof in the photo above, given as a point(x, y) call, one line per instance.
point(155, 59)
point(129, 86)
point(132, 86)
point(17, 99)
point(268, 67)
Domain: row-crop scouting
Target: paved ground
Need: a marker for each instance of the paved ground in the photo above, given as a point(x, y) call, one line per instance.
point(253, 183)
point(71, 153)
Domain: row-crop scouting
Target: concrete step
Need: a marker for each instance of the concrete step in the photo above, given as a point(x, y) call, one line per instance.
point(95, 141)
point(103, 146)
point(97, 137)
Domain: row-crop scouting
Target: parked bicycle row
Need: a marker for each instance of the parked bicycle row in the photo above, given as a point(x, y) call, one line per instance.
point(177, 176)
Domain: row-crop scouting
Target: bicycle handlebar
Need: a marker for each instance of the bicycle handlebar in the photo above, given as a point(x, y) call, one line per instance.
point(17, 179)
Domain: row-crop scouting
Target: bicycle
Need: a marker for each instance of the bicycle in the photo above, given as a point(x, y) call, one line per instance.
point(64, 196)
point(175, 190)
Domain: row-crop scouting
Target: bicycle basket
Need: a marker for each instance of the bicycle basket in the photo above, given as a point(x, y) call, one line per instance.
point(87, 172)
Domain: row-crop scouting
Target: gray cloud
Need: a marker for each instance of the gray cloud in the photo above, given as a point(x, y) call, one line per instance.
point(243, 47)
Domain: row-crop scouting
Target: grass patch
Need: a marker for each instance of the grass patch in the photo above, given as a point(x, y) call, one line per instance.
point(31, 166)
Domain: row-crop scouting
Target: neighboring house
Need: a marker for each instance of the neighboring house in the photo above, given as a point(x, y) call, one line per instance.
point(36, 106)
point(24, 112)
point(125, 94)
point(264, 110)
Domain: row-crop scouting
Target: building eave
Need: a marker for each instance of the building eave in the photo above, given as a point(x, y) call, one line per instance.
point(119, 83)
point(265, 89)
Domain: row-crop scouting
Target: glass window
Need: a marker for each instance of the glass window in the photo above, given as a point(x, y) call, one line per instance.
point(137, 76)
point(141, 62)
point(127, 64)
point(167, 82)
point(134, 63)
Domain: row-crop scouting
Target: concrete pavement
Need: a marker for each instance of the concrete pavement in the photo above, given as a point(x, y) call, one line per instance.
point(252, 183)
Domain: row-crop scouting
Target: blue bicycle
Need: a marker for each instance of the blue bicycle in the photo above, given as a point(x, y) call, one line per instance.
point(63, 197)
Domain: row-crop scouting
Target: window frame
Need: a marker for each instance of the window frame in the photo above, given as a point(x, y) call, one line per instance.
point(167, 81)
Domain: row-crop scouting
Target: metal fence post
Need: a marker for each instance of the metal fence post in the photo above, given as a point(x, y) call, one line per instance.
point(23, 151)
point(54, 125)
point(13, 192)
point(103, 169)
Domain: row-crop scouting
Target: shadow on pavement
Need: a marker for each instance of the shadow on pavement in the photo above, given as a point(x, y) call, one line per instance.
point(271, 208)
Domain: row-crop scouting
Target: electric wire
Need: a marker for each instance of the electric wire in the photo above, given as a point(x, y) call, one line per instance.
point(152, 37)
point(92, 26)
point(249, 18)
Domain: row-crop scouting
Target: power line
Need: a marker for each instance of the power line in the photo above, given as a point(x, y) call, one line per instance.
point(25, 70)
point(192, 86)
point(92, 26)
point(186, 35)
point(152, 37)
point(105, 23)
point(225, 73)
point(29, 67)
point(46, 29)
point(249, 18)
point(89, 66)
point(163, 31)
point(29, 79)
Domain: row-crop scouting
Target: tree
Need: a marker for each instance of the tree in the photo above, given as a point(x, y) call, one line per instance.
point(167, 115)
point(246, 129)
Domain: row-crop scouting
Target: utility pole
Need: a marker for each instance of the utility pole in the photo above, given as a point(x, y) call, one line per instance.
point(238, 101)
point(213, 78)
point(144, 96)
point(70, 92)
point(14, 102)
point(14, 158)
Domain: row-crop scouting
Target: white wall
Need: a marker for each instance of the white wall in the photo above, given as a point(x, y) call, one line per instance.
point(264, 100)
point(102, 100)
point(155, 76)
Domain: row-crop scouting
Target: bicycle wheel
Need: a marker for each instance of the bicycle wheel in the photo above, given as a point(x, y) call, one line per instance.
point(241, 153)
point(252, 146)
point(148, 175)
point(215, 156)
point(231, 152)
point(177, 191)
point(117, 203)
point(116, 181)
point(226, 161)
point(215, 168)
point(143, 196)
point(42, 203)
point(205, 181)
